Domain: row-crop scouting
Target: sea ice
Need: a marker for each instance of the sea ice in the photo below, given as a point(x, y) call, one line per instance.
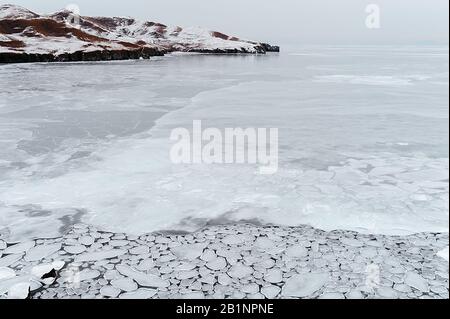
point(99, 255)
point(9, 260)
point(274, 276)
point(416, 281)
point(40, 252)
point(240, 271)
point(19, 291)
point(296, 251)
point(217, 264)
point(444, 253)
point(304, 285)
point(109, 291)
point(75, 250)
point(143, 279)
point(6, 273)
point(124, 284)
point(19, 248)
point(141, 293)
point(271, 291)
point(189, 252)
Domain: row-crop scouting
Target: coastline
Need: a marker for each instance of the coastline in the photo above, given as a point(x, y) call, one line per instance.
point(230, 261)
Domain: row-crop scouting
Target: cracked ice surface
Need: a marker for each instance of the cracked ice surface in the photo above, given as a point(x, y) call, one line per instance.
point(363, 146)
point(330, 265)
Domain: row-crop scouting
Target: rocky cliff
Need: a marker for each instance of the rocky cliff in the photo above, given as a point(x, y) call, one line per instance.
point(26, 36)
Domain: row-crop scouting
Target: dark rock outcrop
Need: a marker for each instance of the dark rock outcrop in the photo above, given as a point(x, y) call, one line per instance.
point(105, 55)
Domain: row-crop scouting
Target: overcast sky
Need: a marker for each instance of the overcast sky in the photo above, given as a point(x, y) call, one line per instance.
point(283, 21)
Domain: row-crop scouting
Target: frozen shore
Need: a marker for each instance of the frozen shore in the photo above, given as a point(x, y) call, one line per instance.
point(226, 261)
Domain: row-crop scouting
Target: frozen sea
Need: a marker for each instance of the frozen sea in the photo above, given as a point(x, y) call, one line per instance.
point(363, 133)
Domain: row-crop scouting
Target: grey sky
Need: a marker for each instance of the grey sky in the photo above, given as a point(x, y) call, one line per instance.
point(283, 21)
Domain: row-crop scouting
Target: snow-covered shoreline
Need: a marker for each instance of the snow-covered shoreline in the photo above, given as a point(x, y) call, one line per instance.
point(65, 36)
point(227, 261)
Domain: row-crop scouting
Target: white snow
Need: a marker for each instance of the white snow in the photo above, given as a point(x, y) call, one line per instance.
point(15, 12)
point(130, 30)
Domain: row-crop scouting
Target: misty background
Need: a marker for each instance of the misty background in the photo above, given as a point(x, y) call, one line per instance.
point(295, 22)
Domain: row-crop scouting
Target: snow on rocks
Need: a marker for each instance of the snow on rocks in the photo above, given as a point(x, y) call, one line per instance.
point(48, 38)
point(8, 11)
point(231, 261)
